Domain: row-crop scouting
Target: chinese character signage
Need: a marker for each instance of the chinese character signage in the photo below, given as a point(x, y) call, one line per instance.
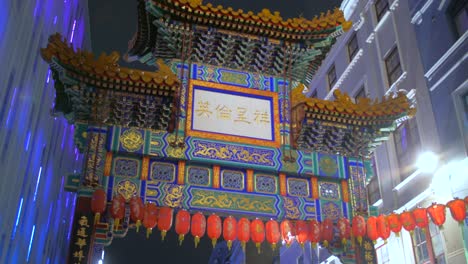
point(231, 113)
point(367, 253)
point(82, 232)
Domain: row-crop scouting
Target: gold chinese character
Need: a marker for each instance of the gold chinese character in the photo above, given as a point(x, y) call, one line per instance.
point(83, 221)
point(223, 112)
point(368, 256)
point(81, 242)
point(368, 246)
point(203, 109)
point(79, 255)
point(241, 115)
point(81, 232)
point(262, 117)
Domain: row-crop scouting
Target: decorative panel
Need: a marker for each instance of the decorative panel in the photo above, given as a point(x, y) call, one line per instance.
point(233, 180)
point(161, 171)
point(126, 167)
point(298, 187)
point(266, 184)
point(329, 190)
point(331, 210)
point(198, 176)
point(126, 187)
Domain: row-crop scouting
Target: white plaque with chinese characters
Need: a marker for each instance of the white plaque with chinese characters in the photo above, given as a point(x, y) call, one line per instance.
point(232, 113)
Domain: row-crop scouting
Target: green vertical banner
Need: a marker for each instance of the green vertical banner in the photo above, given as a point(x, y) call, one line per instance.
point(365, 253)
point(80, 243)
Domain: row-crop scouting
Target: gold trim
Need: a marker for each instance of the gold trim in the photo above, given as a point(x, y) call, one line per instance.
point(250, 180)
point(181, 172)
point(216, 172)
point(234, 138)
point(144, 168)
point(108, 166)
point(282, 184)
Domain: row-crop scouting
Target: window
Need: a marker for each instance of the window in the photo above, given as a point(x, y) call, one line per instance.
point(382, 254)
point(421, 251)
point(437, 243)
point(353, 47)
point(428, 250)
point(331, 75)
point(381, 7)
point(407, 145)
point(459, 14)
point(373, 191)
point(392, 63)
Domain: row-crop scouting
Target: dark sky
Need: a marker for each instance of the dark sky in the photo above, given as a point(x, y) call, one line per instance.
point(113, 23)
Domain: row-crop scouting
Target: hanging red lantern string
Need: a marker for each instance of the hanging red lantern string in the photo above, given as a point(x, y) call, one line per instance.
point(383, 228)
point(272, 233)
point(359, 228)
point(372, 232)
point(198, 227)
point(437, 214)
point(458, 210)
point(137, 211)
point(315, 231)
point(98, 204)
point(214, 228)
point(257, 233)
point(327, 232)
point(182, 224)
point(165, 220)
point(407, 221)
point(117, 209)
point(344, 229)
point(420, 217)
point(229, 230)
point(243, 231)
point(394, 223)
point(150, 218)
point(286, 232)
point(302, 232)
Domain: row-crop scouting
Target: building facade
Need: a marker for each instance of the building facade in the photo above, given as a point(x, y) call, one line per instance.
point(37, 150)
point(418, 48)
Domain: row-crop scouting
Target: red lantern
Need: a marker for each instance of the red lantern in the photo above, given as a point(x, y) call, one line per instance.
point(272, 233)
point(150, 218)
point(344, 229)
point(327, 231)
point(117, 209)
point(382, 227)
point(165, 220)
point(214, 228)
point(407, 221)
point(359, 228)
point(198, 227)
point(182, 224)
point(137, 211)
point(458, 210)
point(230, 230)
point(257, 233)
point(420, 217)
point(286, 232)
point(372, 228)
point(315, 230)
point(394, 223)
point(98, 204)
point(437, 214)
point(302, 231)
point(243, 231)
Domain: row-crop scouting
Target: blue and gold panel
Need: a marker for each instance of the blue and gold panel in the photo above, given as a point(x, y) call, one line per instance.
point(329, 190)
point(298, 187)
point(131, 140)
point(198, 176)
point(331, 166)
point(266, 184)
point(127, 187)
point(126, 167)
point(331, 210)
point(162, 171)
point(233, 180)
point(153, 191)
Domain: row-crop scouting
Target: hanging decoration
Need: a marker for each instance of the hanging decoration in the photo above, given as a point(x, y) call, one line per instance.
point(302, 232)
point(150, 218)
point(407, 221)
point(229, 230)
point(327, 231)
point(272, 233)
point(117, 209)
point(164, 220)
point(394, 223)
point(287, 232)
point(182, 224)
point(98, 204)
point(344, 230)
point(420, 217)
point(315, 232)
point(198, 227)
point(437, 213)
point(457, 210)
point(257, 232)
point(359, 228)
point(214, 228)
point(382, 227)
point(137, 211)
point(243, 231)
point(372, 232)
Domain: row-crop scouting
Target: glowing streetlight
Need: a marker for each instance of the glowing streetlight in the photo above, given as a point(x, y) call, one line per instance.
point(427, 162)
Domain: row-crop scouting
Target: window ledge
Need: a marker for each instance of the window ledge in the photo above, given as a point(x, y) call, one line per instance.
point(406, 181)
point(394, 87)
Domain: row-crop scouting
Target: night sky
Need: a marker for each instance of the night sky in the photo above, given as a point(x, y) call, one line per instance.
point(113, 23)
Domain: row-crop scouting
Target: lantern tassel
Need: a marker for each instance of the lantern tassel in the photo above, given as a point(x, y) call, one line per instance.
point(181, 239)
point(243, 246)
point(325, 243)
point(441, 227)
point(273, 246)
point(213, 242)
point(138, 224)
point(229, 244)
point(344, 242)
point(314, 245)
point(116, 223)
point(163, 235)
point(257, 245)
point(359, 239)
point(302, 246)
point(148, 232)
point(197, 240)
point(97, 217)
point(397, 234)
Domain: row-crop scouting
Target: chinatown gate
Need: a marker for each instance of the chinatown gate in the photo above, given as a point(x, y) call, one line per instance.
point(222, 127)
